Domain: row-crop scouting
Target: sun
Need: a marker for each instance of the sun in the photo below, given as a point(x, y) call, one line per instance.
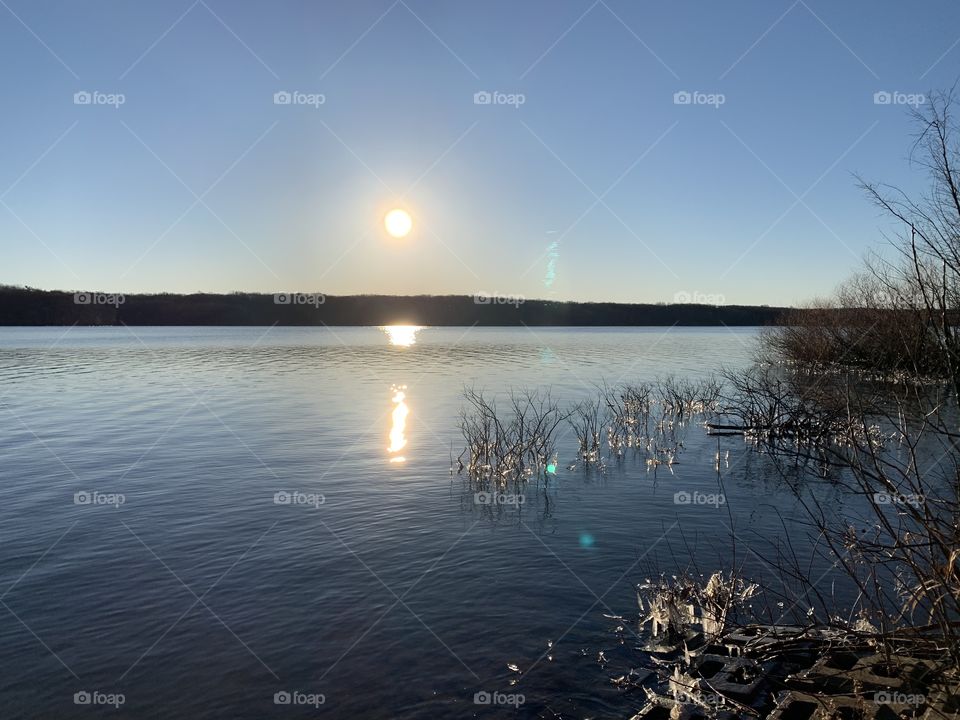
point(398, 223)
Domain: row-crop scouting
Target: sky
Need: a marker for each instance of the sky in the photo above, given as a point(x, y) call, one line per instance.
point(592, 150)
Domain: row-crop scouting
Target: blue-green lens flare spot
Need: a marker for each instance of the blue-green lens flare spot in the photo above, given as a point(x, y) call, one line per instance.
point(552, 469)
point(586, 540)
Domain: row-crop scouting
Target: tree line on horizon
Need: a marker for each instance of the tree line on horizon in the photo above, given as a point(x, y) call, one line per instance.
point(29, 306)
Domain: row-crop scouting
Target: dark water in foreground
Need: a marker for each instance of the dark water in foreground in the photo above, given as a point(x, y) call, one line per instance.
point(398, 597)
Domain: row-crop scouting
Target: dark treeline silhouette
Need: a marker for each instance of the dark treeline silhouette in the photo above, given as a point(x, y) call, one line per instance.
point(28, 306)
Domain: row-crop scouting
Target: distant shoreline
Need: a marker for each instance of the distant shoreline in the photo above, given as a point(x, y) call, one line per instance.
point(28, 307)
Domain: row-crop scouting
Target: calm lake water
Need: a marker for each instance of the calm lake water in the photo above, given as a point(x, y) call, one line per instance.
point(200, 596)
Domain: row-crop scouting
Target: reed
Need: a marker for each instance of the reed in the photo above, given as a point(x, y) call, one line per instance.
point(514, 441)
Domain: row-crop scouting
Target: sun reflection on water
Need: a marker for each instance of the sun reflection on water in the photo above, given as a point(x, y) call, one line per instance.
point(398, 438)
point(402, 335)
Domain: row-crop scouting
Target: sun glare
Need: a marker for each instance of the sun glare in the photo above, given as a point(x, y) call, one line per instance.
point(402, 335)
point(398, 223)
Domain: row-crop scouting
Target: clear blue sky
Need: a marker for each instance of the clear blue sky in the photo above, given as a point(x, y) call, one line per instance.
point(199, 181)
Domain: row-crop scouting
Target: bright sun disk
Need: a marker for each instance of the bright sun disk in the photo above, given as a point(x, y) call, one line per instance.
point(398, 223)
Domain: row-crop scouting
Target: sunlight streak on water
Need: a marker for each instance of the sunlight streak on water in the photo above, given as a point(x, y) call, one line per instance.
point(398, 439)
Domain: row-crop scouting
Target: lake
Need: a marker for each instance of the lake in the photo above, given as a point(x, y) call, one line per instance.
point(212, 521)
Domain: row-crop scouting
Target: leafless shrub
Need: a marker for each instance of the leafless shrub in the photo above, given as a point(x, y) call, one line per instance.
point(895, 322)
point(683, 397)
point(898, 319)
point(783, 410)
point(587, 420)
point(511, 445)
point(628, 411)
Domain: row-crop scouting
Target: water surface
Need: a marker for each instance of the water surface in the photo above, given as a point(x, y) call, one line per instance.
point(397, 597)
